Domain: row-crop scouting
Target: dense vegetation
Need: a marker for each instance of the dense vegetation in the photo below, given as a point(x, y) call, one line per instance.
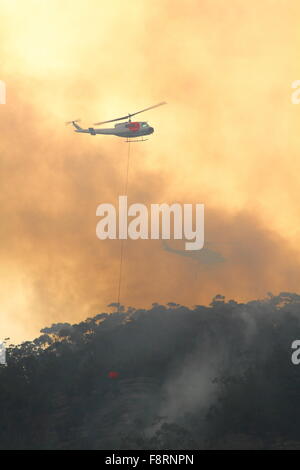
point(165, 378)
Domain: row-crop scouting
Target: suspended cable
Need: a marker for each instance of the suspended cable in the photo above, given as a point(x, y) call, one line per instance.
point(122, 241)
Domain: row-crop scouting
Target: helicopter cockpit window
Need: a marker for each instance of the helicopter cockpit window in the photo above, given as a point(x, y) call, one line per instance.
point(144, 124)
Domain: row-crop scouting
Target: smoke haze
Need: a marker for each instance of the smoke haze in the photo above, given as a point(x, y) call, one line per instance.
point(227, 138)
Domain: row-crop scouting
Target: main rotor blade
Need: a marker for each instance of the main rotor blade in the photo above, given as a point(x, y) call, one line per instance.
point(129, 115)
point(111, 120)
point(147, 109)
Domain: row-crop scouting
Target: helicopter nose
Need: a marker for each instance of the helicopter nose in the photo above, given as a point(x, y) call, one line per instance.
point(151, 129)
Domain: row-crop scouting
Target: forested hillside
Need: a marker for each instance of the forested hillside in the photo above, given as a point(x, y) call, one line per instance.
point(169, 377)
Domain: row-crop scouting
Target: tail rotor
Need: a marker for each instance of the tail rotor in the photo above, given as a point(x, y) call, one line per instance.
point(72, 122)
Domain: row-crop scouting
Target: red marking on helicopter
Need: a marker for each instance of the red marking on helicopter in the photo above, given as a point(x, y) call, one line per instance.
point(134, 126)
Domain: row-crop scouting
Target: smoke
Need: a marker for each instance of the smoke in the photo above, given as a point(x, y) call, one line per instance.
point(222, 141)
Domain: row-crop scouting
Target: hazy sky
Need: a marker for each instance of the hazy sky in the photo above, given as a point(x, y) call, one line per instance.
point(228, 138)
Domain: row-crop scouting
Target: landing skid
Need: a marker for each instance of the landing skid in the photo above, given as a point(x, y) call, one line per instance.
point(140, 140)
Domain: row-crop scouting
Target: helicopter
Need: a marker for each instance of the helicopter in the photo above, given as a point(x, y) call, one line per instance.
point(128, 129)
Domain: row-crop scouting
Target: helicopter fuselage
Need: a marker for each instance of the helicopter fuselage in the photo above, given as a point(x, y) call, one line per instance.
point(124, 129)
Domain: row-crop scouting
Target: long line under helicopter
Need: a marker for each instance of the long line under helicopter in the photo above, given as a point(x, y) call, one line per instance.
point(130, 130)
